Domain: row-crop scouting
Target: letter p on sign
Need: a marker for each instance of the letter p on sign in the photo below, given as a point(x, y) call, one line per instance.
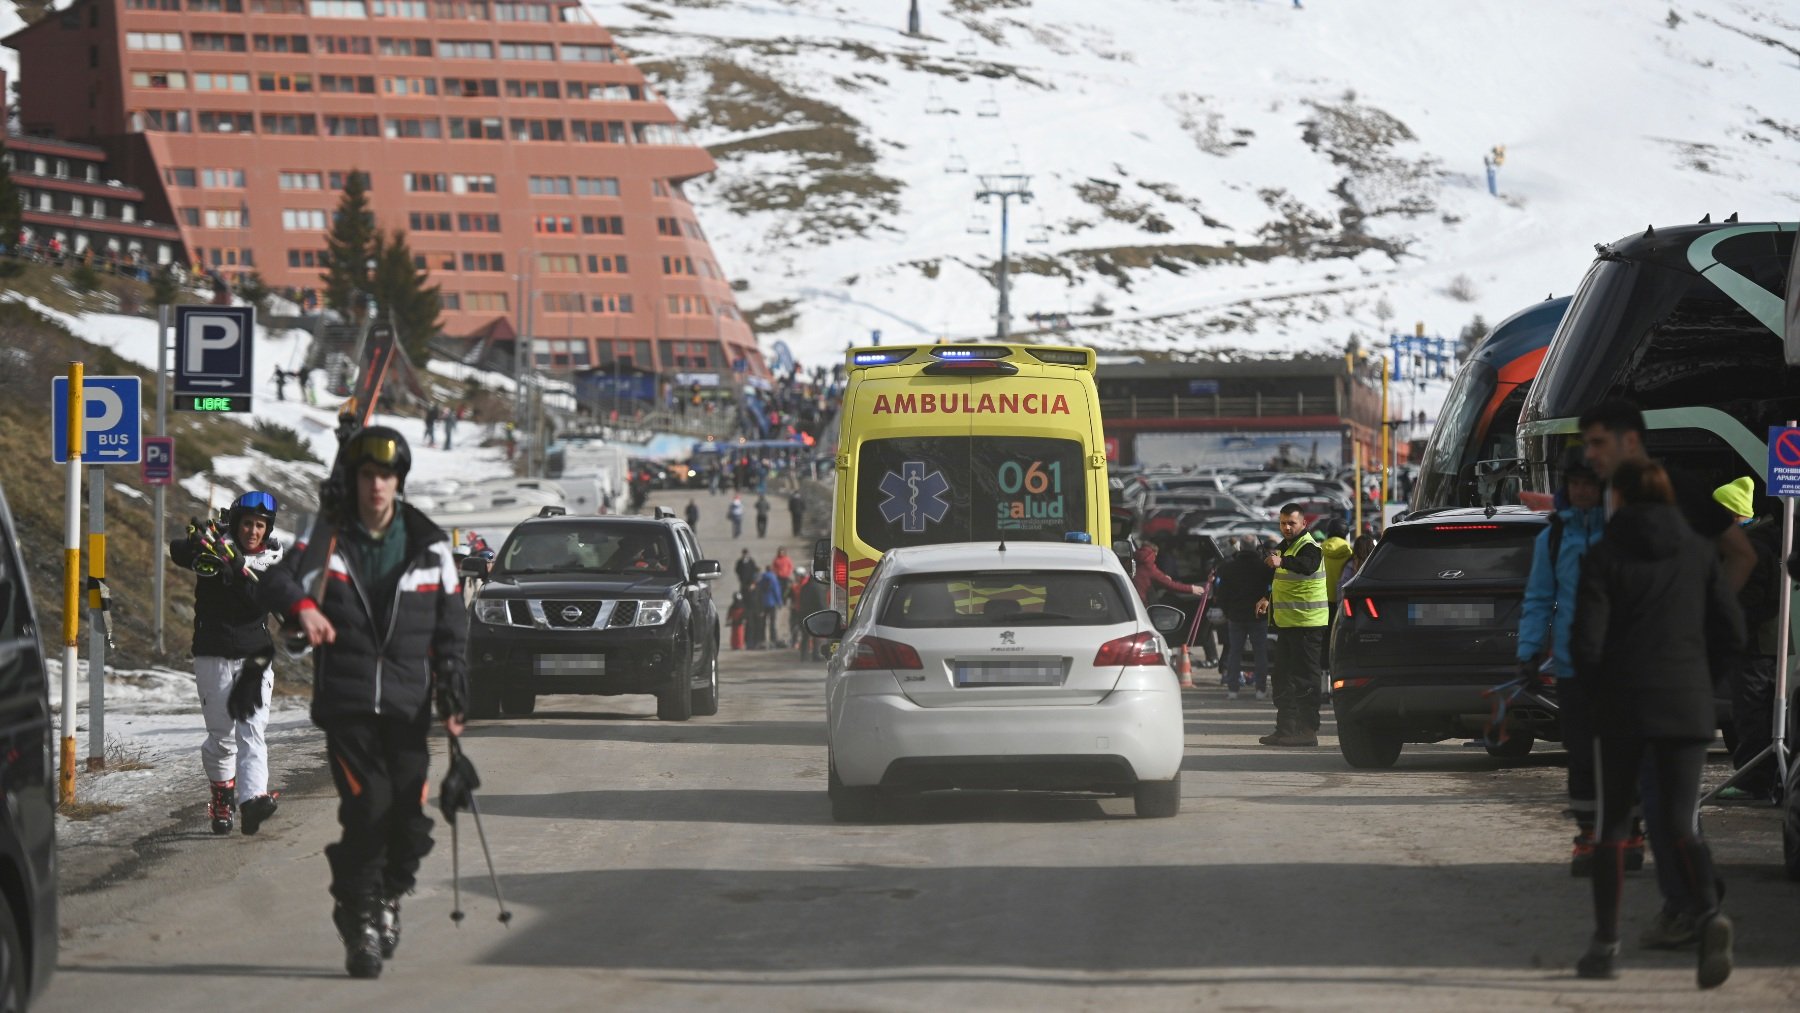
point(210, 334)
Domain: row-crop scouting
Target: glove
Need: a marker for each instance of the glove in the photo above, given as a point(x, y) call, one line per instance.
point(450, 699)
point(246, 697)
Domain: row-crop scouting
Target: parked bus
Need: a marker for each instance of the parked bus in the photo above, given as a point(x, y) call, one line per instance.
point(1480, 418)
point(955, 443)
point(1687, 322)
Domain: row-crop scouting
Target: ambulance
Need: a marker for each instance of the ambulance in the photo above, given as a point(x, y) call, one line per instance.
point(957, 443)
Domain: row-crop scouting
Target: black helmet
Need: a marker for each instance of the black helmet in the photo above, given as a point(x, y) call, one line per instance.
point(382, 445)
point(252, 504)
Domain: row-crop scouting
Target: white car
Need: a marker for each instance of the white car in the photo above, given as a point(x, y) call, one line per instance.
point(1028, 666)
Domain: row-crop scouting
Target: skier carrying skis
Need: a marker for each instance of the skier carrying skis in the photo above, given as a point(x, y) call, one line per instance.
point(374, 589)
point(232, 655)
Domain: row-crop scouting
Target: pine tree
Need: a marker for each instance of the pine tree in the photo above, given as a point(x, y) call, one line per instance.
point(403, 296)
point(349, 247)
point(11, 209)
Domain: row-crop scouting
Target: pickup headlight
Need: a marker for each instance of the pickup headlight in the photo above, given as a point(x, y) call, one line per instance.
point(654, 613)
point(492, 611)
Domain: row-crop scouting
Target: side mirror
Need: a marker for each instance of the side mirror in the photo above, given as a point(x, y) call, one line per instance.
point(708, 569)
point(473, 566)
point(821, 561)
point(827, 624)
point(1127, 554)
point(1166, 618)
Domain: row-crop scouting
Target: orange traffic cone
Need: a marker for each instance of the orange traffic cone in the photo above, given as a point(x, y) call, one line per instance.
point(1185, 669)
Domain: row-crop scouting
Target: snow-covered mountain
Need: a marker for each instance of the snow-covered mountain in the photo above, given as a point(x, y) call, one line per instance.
point(1210, 176)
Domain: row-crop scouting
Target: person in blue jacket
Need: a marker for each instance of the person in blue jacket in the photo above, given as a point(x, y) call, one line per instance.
point(1545, 623)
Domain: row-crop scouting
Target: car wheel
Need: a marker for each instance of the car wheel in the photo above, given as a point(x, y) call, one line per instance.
point(1365, 748)
point(851, 805)
point(13, 971)
point(706, 701)
point(1157, 799)
point(484, 699)
point(518, 703)
point(677, 702)
point(1516, 747)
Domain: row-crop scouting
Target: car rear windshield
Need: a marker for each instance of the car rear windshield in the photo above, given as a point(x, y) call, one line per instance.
point(588, 548)
point(1474, 551)
point(1006, 598)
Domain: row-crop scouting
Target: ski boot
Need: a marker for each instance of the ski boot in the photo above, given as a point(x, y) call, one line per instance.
point(257, 810)
point(388, 921)
point(223, 805)
point(357, 925)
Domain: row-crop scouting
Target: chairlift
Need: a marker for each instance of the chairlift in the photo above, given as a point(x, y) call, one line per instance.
point(1013, 163)
point(934, 103)
point(966, 48)
point(978, 224)
point(956, 165)
point(1038, 234)
point(990, 106)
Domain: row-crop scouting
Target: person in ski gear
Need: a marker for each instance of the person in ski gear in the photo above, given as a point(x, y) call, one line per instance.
point(1298, 606)
point(233, 650)
point(1545, 621)
point(746, 570)
point(1243, 584)
point(1653, 607)
point(374, 589)
point(762, 516)
point(1147, 575)
point(767, 596)
point(735, 513)
point(796, 510)
point(693, 514)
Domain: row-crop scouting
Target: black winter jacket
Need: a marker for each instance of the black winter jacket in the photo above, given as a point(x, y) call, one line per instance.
point(1651, 610)
point(366, 670)
point(1243, 581)
point(228, 622)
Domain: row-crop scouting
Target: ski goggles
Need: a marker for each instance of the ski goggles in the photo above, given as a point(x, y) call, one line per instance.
point(382, 450)
point(256, 501)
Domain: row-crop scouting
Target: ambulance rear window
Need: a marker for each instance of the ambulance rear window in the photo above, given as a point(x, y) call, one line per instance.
point(926, 491)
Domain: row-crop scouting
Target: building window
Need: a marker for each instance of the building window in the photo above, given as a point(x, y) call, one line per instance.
point(475, 128)
point(484, 262)
point(478, 223)
point(535, 130)
point(471, 87)
point(472, 183)
point(678, 265)
point(153, 5)
point(552, 186)
point(173, 121)
point(429, 221)
point(657, 133)
point(77, 206)
point(159, 79)
point(484, 301)
point(304, 219)
point(553, 224)
point(425, 182)
point(344, 84)
point(222, 179)
point(352, 126)
point(285, 7)
point(558, 263)
point(409, 85)
point(533, 89)
point(221, 82)
point(414, 9)
point(612, 304)
point(450, 301)
point(344, 45)
point(180, 177)
point(226, 218)
point(278, 43)
point(290, 123)
point(153, 41)
point(453, 49)
point(301, 181)
point(306, 258)
point(336, 8)
point(598, 131)
point(462, 10)
point(527, 51)
point(227, 123)
point(594, 91)
point(588, 54)
point(189, 216)
point(564, 302)
point(338, 177)
point(217, 42)
point(602, 225)
point(607, 264)
point(301, 83)
point(521, 12)
point(596, 186)
point(216, 6)
point(668, 227)
point(403, 47)
point(427, 128)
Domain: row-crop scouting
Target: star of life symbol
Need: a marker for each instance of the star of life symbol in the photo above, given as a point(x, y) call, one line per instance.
point(914, 498)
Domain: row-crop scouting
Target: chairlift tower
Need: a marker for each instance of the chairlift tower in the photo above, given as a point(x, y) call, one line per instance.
point(1432, 351)
point(1007, 187)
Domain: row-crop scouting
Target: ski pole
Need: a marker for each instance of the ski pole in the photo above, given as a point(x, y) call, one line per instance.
point(475, 811)
point(456, 911)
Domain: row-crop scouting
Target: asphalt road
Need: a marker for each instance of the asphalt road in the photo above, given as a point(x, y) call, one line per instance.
point(656, 865)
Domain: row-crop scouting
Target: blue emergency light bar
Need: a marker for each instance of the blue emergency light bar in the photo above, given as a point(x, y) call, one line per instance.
point(881, 358)
point(979, 352)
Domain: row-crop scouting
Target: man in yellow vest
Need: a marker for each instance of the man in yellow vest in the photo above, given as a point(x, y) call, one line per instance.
point(1300, 608)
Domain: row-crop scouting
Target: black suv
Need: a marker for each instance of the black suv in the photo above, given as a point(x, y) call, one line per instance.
point(598, 605)
point(28, 819)
point(1429, 624)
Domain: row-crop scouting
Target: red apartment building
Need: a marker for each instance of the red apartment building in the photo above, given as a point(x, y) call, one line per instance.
point(71, 202)
point(536, 174)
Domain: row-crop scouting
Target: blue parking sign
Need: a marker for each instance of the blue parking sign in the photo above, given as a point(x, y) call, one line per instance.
point(112, 428)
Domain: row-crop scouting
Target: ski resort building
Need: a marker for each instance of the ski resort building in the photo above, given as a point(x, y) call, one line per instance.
point(536, 174)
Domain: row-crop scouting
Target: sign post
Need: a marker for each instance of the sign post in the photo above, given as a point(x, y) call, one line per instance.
point(72, 411)
point(1784, 481)
point(162, 492)
point(99, 601)
point(213, 358)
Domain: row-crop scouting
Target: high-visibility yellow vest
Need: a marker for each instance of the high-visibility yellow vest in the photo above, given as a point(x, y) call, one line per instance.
point(1298, 601)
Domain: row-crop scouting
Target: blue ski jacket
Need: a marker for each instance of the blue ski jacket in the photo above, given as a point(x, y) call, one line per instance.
point(1549, 609)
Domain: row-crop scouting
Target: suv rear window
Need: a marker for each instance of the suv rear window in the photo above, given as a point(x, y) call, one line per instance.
point(1006, 598)
point(1480, 551)
point(588, 548)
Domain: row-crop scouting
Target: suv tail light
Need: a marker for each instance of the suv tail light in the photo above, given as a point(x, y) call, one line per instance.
point(878, 653)
point(1137, 649)
point(840, 569)
point(1369, 605)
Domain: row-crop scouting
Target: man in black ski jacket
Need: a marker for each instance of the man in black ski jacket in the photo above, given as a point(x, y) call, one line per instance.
point(377, 597)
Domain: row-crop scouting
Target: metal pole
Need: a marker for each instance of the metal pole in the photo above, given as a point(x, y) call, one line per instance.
point(162, 492)
point(1356, 447)
point(1005, 310)
point(71, 582)
point(96, 755)
point(1385, 436)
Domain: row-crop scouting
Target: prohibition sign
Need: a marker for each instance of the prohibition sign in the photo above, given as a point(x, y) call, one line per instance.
point(1786, 448)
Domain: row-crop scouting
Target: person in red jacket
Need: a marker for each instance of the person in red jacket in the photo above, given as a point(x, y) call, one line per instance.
point(1147, 575)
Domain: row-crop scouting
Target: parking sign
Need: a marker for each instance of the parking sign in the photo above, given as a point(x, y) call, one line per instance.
point(159, 460)
point(214, 367)
point(112, 427)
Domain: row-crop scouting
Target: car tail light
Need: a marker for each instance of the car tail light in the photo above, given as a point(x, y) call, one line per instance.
point(1369, 606)
point(1349, 612)
point(1465, 527)
point(1350, 683)
point(878, 652)
point(1137, 649)
point(840, 569)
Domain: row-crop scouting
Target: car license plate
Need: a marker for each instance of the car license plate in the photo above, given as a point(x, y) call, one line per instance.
point(571, 664)
point(1450, 613)
point(1010, 672)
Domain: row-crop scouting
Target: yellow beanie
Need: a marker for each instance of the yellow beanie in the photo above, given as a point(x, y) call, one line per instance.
point(1739, 497)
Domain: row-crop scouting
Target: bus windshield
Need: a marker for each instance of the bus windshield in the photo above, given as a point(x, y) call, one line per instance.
point(930, 490)
point(1441, 472)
